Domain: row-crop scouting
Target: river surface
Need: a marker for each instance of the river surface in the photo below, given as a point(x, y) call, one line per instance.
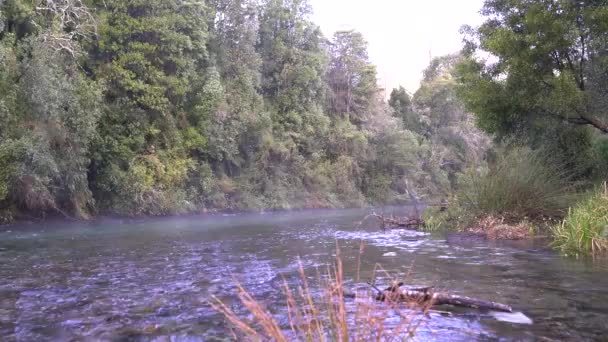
point(149, 280)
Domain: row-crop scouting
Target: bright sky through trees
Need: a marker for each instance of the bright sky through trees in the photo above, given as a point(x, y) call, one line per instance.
point(401, 33)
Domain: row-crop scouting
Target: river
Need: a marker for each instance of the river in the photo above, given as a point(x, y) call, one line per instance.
point(149, 280)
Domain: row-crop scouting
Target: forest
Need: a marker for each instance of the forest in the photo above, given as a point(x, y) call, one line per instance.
point(161, 107)
point(168, 106)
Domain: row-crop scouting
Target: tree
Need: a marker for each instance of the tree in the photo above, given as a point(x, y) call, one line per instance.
point(551, 65)
point(351, 77)
point(232, 131)
point(157, 107)
point(292, 64)
point(454, 142)
point(401, 103)
point(49, 109)
point(153, 57)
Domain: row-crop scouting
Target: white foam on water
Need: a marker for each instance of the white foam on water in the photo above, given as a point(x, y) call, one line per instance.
point(515, 317)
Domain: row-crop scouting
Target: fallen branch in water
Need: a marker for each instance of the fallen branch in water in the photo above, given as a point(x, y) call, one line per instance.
point(426, 296)
point(403, 222)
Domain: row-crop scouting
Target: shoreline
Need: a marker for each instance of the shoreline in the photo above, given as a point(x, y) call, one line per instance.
point(203, 214)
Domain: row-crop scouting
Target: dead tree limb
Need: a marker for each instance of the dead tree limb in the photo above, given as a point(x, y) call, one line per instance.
point(439, 298)
point(403, 222)
point(426, 296)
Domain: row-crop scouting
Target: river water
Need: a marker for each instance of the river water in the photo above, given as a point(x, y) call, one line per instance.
point(149, 280)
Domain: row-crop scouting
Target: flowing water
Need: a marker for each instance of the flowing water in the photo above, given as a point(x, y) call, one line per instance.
point(149, 280)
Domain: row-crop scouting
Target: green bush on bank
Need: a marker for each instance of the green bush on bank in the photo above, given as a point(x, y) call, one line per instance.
point(585, 230)
point(523, 183)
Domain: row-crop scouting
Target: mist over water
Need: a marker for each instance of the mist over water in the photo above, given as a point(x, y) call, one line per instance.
point(146, 280)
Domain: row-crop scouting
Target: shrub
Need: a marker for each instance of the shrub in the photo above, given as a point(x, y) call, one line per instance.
point(435, 220)
point(585, 230)
point(522, 183)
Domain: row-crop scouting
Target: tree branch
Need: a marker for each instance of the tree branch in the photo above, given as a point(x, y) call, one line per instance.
point(600, 125)
point(581, 119)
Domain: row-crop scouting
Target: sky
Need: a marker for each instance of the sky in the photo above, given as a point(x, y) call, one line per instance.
point(402, 34)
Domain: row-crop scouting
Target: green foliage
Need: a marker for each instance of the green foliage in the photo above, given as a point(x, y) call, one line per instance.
point(453, 144)
point(435, 220)
point(522, 183)
point(545, 87)
point(600, 156)
point(585, 230)
point(292, 63)
point(49, 115)
point(548, 60)
point(351, 77)
point(136, 107)
point(401, 102)
point(152, 51)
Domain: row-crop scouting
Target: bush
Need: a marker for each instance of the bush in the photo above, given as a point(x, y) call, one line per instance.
point(585, 230)
point(522, 183)
point(438, 219)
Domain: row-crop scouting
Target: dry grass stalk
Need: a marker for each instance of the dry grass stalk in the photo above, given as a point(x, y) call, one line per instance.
point(339, 320)
point(498, 228)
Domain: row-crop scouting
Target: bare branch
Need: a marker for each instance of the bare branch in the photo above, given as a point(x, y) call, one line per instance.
point(71, 21)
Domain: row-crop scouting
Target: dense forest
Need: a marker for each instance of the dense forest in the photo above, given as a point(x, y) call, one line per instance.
point(156, 107)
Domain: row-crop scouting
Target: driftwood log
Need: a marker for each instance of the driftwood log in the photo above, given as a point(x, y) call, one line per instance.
point(426, 296)
point(402, 222)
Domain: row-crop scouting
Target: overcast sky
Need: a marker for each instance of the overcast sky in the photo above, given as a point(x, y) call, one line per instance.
point(400, 33)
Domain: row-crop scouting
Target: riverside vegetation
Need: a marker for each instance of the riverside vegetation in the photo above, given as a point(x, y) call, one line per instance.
point(543, 98)
point(168, 106)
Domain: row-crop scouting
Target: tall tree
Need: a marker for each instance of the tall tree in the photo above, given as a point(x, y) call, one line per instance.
point(233, 35)
point(455, 142)
point(293, 63)
point(401, 103)
point(152, 55)
point(351, 76)
point(551, 64)
point(49, 109)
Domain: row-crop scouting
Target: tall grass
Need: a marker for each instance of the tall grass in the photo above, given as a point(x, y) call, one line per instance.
point(334, 314)
point(522, 183)
point(585, 230)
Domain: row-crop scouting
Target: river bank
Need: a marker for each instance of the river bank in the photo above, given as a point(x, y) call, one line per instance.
point(202, 214)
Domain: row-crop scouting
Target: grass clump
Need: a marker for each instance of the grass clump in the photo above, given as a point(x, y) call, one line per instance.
point(443, 218)
point(585, 230)
point(523, 182)
point(511, 198)
point(433, 221)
